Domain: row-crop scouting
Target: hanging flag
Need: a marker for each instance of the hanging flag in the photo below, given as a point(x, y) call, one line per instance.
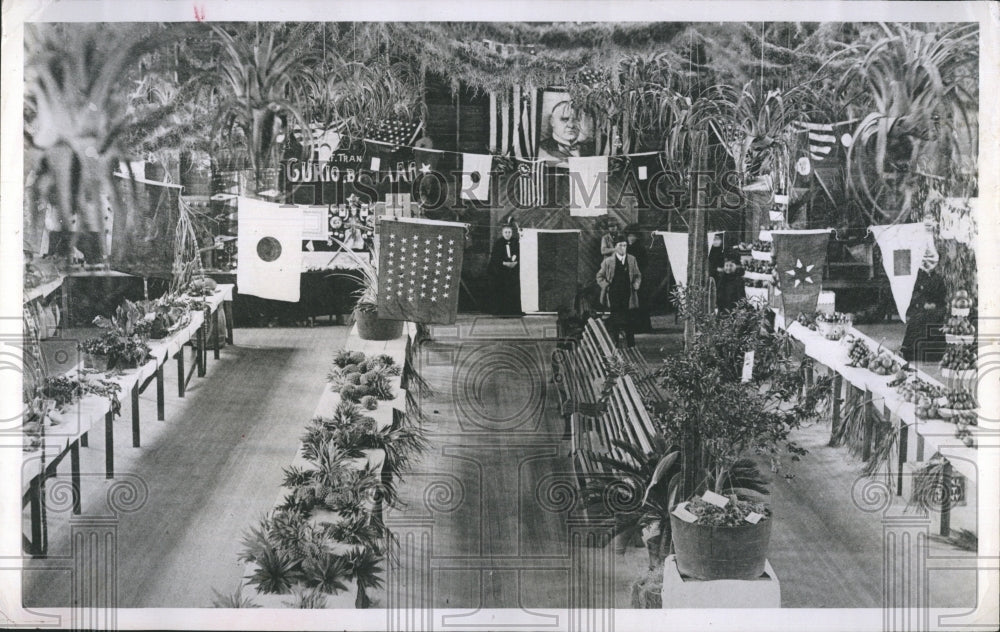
point(395, 132)
point(476, 177)
point(548, 269)
point(270, 250)
point(821, 138)
point(799, 258)
point(531, 182)
point(420, 265)
point(903, 247)
point(588, 186)
point(677, 252)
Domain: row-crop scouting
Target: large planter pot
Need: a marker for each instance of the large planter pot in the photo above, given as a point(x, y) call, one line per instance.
point(371, 327)
point(708, 553)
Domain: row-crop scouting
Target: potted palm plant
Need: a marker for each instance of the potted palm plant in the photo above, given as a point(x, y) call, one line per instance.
point(370, 326)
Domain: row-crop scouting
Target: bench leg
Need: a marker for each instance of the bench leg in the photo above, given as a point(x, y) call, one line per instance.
point(109, 445)
point(135, 415)
point(160, 416)
point(74, 464)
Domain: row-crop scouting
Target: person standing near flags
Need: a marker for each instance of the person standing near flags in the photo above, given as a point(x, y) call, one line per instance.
point(619, 278)
point(504, 273)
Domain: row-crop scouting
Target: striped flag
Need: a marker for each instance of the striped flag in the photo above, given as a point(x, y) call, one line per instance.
point(531, 182)
point(548, 269)
point(821, 138)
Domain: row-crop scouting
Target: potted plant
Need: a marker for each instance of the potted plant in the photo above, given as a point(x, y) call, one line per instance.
point(122, 345)
point(370, 326)
point(724, 420)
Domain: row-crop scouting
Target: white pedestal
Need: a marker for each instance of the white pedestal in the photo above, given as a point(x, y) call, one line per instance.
point(683, 592)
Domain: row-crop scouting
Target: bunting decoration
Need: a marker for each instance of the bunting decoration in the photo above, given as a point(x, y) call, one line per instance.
point(588, 186)
point(548, 269)
point(531, 183)
point(799, 259)
point(476, 170)
point(903, 248)
point(821, 138)
point(677, 252)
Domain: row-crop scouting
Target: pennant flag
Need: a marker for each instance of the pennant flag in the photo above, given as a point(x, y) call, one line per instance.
point(799, 258)
point(903, 247)
point(588, 186)
point(548, 269)
point(821, 138)
point(677, 252)
point(420, 265)
point(476, 177)
point(531, 182)
point(426, 160)
point(270, 247)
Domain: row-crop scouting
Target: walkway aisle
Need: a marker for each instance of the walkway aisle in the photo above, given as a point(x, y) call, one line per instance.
point(212, 468)
point(498, 537)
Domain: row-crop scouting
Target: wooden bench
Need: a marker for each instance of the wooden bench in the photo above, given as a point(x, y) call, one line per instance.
point(595, 424)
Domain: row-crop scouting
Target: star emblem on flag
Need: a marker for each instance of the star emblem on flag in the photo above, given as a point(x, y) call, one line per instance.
point(801, 273)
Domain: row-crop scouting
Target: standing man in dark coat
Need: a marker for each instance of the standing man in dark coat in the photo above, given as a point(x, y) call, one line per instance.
point(505, 279)
point(619, 279)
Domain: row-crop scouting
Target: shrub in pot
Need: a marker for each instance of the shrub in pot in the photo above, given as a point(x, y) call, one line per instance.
point(370, 326)
point(724, 422)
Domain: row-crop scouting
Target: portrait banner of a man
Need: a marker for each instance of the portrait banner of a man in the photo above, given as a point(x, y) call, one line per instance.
point(565, 131)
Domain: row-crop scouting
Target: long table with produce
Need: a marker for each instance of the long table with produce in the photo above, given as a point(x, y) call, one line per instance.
point(366, 396)
point(930, 416)
point(81, 397)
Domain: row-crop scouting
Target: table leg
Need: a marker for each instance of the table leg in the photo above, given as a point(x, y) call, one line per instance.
point(180, 372)
point(85, 440)
point(215, 335)
point(947, 472)
point(869, 427)
point(109, 445)
point(836, 388)
point(74, 465)
point(38, 536)
point(904, 447)
point(227, 307)
point(159, 394)
point(201, 352)
point(135, 415)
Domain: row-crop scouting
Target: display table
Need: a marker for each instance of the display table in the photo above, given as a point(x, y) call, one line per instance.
point(65, 432)
point(684, 592)
point(385, 417)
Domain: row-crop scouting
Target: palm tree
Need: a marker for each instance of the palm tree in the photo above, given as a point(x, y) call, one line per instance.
point(77, 117)
point(915, 91)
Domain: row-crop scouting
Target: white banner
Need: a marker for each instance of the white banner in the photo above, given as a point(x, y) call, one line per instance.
point(528, 269)
point(677, 252)
point(903, 247)
point(270, 250)
point(588, 186)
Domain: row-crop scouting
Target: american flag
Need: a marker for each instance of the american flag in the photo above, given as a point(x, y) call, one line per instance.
point(531, 182)
point(821, 138)
point(395, 132)
point(420, 265)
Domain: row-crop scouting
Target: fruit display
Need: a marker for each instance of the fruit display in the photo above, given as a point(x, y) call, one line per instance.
point(833, 326)
point(963, 432)
point(201, 286)
point(806, 320)
point(958, 403)
point(961, 303)
point(858, 352)
point(758, 266)
point(959, 326)
point(912, 391)
point(761, 246)
point(883, 364)
point(959, 358)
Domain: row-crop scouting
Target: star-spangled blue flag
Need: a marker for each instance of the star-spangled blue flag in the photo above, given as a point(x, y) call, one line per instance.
point(419, 268)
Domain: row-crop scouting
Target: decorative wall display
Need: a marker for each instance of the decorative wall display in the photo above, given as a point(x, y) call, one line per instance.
point(565, 131)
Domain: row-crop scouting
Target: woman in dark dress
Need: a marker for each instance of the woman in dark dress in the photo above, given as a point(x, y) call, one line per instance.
point(504, 271)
